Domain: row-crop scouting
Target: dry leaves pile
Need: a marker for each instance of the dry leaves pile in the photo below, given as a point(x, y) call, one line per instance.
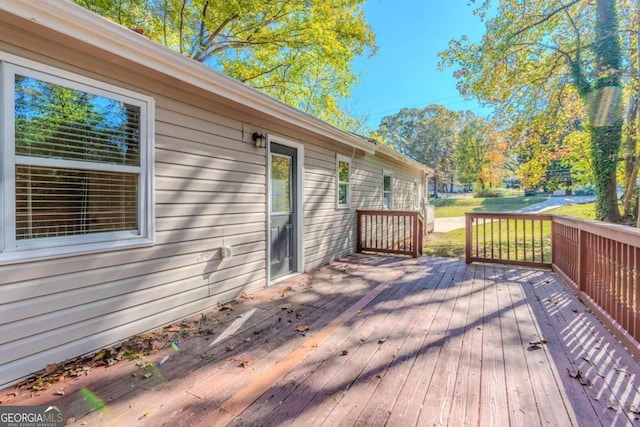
point(132, 349)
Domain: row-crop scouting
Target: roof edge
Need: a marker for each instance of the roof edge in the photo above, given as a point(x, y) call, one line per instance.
point(74, 21)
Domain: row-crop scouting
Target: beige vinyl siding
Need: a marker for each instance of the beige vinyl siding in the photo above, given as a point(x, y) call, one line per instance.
point(367, 183)
point(329, 232)
point(209, 189)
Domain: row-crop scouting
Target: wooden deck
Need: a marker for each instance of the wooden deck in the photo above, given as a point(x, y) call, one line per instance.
point(390, 341)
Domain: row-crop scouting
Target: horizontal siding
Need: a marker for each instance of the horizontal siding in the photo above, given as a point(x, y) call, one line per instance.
point(210, 191)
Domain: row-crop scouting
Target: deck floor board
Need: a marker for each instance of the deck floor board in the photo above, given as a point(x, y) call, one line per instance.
point(434, 342)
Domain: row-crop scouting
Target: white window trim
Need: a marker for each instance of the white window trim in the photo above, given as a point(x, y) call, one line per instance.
point(390, 175)
point(12, 250)
point(416, 194)
point(347, 160)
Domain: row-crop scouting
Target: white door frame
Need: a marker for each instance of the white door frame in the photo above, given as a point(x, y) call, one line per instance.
point(299, 204)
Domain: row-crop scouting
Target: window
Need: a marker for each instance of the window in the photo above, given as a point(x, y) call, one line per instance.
point(343, 181)
point(387, 191)
point(281, 174)
point(77, 164)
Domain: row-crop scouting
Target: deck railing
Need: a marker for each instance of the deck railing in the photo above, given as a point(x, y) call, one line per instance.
point(600, 262)
point(395, 232)
point(505, 238)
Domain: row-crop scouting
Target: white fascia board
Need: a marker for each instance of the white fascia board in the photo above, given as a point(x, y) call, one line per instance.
point(71, 20)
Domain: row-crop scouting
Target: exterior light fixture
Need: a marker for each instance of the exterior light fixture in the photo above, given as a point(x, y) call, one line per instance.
point(259, 139)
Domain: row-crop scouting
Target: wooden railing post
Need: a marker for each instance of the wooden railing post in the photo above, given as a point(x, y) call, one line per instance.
point(420, 235)
point(467, 238)
point(414, 239)
point(359, 233)
point(582, 261)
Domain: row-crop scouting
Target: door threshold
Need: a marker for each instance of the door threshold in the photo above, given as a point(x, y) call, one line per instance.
point(283, 278)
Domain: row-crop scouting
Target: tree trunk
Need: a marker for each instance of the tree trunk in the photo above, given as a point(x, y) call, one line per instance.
point(605, 113)
point(606, 144)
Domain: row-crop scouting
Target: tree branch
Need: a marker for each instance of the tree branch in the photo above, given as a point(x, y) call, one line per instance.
point(546, 17)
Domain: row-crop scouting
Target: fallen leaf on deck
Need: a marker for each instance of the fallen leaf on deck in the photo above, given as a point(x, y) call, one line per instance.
point(245, 363)
point(173, 328)
point(59, 392)
point(345, 352)
point(622, 371)
point(226, 307)
point(8, 397)
point(302, 327)
point(534, 347)
point(50, 369)
point(586, 359)
point(578, 376)
point(230, 347)
point(553, 300)
point(147, 375)
point(612, 404)
point(538, 343)
point(359, 312)
point(381, 341)
point(634, 409)
point(145, 415)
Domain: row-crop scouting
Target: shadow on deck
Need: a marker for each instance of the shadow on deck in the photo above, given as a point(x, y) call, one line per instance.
point(390, 341)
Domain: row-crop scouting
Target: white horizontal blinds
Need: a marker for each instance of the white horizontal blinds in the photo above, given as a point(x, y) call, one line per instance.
point(77, 161)
point(54, 202)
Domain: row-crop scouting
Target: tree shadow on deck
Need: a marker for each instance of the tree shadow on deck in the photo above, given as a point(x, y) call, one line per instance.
point(195, 383)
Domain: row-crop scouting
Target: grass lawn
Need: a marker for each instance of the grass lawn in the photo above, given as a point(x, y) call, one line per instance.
point(446, 208)
point(451, 244)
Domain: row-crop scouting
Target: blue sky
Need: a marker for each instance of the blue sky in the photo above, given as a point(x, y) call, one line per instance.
point(409, 35)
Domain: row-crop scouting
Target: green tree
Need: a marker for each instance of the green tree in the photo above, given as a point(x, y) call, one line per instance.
point(529, 56)
point(298, 51)
point(426, 135)
point(479, 153)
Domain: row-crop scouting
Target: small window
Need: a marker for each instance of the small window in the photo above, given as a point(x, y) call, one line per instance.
point(343, 181)
point(387, 191)
point(77, 164)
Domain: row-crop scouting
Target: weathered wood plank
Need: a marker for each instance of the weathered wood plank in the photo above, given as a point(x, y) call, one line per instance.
point(406, 410)
point(493, 395)
point(466, 398)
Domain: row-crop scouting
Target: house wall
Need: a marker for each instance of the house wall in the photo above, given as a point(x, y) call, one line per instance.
point(210, 189)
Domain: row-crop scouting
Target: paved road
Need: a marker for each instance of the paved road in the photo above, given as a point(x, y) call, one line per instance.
point(443, 225)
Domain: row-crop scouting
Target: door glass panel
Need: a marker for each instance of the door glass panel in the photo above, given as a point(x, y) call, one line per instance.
point(280, 183)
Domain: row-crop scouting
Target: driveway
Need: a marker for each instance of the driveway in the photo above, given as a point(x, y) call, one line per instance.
point(444, 225)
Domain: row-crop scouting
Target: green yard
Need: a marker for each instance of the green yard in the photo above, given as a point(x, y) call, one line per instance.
point(450, 207)
point(451, 244)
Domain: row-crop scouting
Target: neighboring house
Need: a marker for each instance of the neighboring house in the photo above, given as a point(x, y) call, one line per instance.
point(138, 189)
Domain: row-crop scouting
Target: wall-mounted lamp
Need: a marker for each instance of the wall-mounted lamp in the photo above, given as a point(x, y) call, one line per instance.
point(259, 139)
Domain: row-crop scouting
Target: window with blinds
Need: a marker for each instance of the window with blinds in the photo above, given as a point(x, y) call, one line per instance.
point(343, 178)
point(77, 153)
